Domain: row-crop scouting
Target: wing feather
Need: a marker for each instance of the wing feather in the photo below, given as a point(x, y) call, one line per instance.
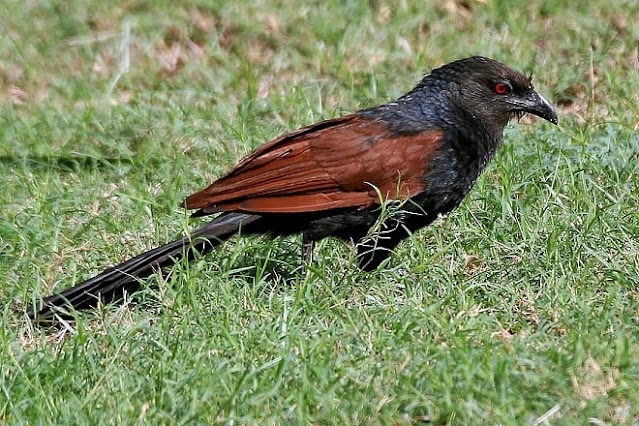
point(332, 164)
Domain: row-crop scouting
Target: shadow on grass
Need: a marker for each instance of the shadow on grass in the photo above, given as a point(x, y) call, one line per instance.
point(71, 164)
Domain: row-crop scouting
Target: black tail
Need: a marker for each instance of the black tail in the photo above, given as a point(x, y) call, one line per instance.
point(113, 283)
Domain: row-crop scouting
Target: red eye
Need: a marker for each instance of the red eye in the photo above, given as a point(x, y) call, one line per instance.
point(502, 88)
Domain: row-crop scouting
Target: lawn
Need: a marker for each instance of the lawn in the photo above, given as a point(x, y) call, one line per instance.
point(521, 307)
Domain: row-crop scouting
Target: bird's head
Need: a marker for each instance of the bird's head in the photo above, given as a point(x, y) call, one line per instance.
point(490, 92)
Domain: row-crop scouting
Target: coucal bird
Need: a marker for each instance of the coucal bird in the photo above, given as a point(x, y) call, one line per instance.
point(329, 179)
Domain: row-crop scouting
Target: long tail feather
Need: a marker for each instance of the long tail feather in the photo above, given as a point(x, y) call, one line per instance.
point(113, 283)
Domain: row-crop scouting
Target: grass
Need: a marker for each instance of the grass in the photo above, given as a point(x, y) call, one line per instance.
point(521, 307)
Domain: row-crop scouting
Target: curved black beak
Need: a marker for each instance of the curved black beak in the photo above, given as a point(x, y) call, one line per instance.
point(536, 104)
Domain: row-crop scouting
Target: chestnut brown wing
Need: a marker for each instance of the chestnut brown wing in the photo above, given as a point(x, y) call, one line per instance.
point(333, 164)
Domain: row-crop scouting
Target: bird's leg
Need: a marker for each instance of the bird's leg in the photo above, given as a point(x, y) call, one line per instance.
point(373, 249)
point(307, 251)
